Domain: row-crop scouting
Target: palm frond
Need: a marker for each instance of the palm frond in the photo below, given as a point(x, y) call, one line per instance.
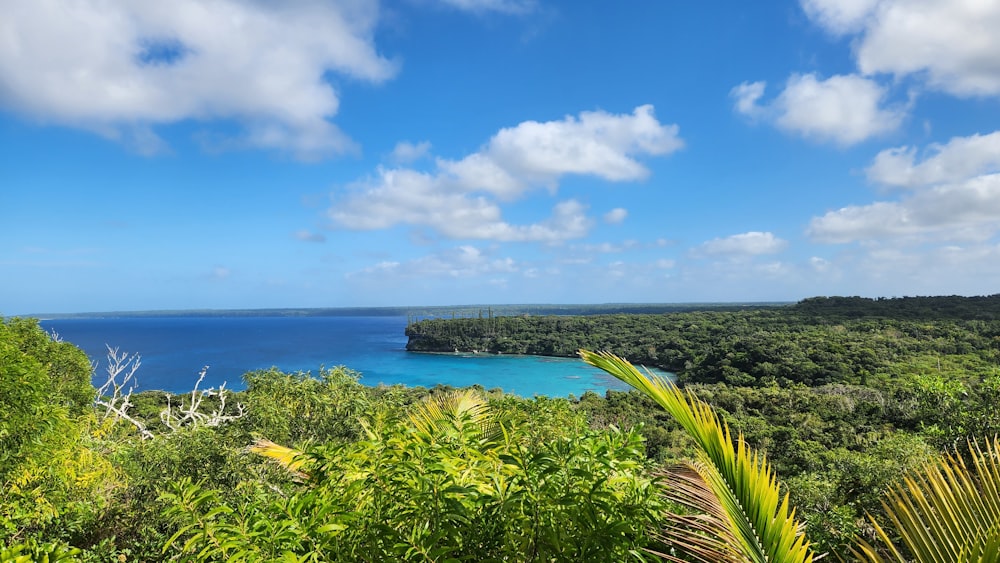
point(289, 458)
point(457, 410)
point(946, 512)
point(751, 516)
point(706, 535)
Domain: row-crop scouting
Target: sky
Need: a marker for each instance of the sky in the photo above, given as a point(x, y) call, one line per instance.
point(216, 154)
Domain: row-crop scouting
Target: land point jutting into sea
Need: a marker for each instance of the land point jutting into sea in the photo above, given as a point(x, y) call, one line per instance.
point(830, 401)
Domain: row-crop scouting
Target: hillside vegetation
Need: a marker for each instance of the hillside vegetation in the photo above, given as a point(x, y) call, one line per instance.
point(842, 395)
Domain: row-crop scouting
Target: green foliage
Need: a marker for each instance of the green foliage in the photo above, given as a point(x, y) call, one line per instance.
point(740, 513)
point(843, 395)
point(52, 480)
point(297, 408)
point(817, 342)
point(946, 513)
point(31, 551)
point(68, 369)
point(448, 481)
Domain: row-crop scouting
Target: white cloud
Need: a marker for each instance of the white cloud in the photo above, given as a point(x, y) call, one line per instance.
point(967, 269)
point(122, 68)
point(615, 216)
point(459, 199)
point(416, 198)
point(855, 222)
point(840, 16)
point(752, 243)
point(844, 109)
point(597, 143)
point(534, 154)
point(952, 46)
point(954, 196)
point(747, 95)
point(406, 152)
point(961, 158)
point(820, 265)
point(464, 261)
point(968, 210)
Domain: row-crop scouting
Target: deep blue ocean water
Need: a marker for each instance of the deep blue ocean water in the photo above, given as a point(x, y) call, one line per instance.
point(174, 349)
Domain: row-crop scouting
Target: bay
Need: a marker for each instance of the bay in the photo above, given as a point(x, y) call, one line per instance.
point(175, 348)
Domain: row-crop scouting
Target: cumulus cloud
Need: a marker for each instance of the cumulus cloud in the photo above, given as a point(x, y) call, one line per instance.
point(968, 210)
point(121, 68)
point(596, 143)
point(954, 195)
point(951, 46)
point(615, 216)
point(844, 109)
point(959, 159)
point(416, 198)
point(753, 243)
point(840, 16)
point(460, 198)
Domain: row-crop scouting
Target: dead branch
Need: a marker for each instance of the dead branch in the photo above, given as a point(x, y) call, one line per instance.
point(119, 401)
point(189, 414)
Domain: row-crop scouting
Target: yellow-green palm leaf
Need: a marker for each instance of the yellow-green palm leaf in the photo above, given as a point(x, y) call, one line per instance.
point(458, 410)
point(741, 515)
point(947, 512)
point(289, 458)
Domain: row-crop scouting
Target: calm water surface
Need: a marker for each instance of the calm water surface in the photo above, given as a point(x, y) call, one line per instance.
point(174, 349)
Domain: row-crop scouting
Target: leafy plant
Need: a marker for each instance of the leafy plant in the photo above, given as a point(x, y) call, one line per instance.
point(449, 480)
point(946, 513)
point(737, 510)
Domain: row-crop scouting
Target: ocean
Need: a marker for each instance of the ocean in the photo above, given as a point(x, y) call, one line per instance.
point(174, 349)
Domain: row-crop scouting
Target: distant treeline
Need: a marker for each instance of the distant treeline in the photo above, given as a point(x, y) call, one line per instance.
point(926, 308)
point(442, 312)
point(817, 341)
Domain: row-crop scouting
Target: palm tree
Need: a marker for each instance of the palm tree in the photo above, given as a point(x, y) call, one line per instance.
point(737, 511)
point(945, 513)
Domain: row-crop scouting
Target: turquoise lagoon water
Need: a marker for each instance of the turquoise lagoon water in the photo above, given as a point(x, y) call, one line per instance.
point(175, 348)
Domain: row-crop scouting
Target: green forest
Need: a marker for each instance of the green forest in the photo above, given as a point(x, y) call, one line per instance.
point(789, 437)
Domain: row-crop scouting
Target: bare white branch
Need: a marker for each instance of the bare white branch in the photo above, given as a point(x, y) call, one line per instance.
point(190, 415)
point(120, 398)
point(115, 396)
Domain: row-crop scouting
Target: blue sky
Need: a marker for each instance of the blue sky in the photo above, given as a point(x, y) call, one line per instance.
point(241, 154)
